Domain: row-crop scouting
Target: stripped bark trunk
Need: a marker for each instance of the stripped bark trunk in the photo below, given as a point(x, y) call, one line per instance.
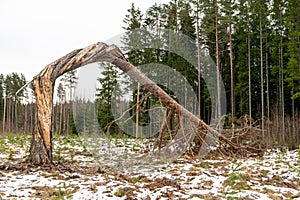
point(41, 146)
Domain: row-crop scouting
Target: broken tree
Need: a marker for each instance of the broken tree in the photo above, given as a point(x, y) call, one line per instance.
point(41, 145)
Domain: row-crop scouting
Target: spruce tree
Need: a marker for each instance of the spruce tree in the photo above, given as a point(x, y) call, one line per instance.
point(61, 94)
point(107, 90)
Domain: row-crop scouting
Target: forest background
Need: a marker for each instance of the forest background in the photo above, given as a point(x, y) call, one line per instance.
point(256, 48)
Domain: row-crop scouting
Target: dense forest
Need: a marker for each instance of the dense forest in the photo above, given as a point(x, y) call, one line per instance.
point(255, 46)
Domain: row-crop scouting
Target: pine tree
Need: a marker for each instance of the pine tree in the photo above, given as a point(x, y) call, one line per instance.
point(12, 83)
point(107, 90)
point(61, 94)
point(197, 9)
point(135, 41)
point(228, 8)
point(70, 81)
point(293, 49)
point(293, 61)
point(213, 29)
point(242, 60)
point(133, 38)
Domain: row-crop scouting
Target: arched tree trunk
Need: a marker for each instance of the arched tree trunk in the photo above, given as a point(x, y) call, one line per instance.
point(41, 146)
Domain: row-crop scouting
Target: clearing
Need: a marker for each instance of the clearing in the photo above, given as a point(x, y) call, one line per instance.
point(79, 174)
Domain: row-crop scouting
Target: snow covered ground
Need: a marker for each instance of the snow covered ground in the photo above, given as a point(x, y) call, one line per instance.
point(81, 175)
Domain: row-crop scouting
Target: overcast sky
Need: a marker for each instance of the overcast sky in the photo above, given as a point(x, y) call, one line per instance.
point(34, 33)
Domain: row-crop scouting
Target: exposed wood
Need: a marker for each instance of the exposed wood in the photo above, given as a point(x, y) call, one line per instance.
point(41, 146)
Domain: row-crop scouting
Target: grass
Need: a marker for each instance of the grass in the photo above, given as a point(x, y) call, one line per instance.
point(236, 182)
point(294, 168)
point(55, 192)
point(19, 141)
point(121, 192)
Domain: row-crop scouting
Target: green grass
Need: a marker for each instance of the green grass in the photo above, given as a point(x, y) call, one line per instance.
point(17, 140)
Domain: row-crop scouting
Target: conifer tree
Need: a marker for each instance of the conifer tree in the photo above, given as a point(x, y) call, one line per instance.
point(61, 94)
point(107, 90)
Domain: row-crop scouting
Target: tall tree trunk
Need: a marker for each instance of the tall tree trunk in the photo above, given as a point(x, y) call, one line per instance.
point(268, 96)
point(231, 72)
point(60, 118)
point(293, 115)
point(282, 91)
point(32, 111)
point(4, 113)
point(137, 112)
point(9, 115)
point(261, 76)
point(16, 116)
point(64, 130)
point(199, 58)
point(41, 146)
point(218, 68)
point(26, 118)
point(249, 68)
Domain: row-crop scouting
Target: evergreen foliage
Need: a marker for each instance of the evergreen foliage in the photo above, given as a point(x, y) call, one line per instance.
point(265, 55)
point(107, 90)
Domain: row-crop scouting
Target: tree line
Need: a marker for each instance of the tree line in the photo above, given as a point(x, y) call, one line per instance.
point(256, 49)
point(17, 112)
point(255, 46)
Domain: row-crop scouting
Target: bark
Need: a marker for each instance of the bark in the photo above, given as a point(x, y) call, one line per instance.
point(261, 77)
point(198, 59)
point(249, 76)
point(41, 146)
point(4, 113)
point(231, 73)
point(137, 112)
point(218, 68)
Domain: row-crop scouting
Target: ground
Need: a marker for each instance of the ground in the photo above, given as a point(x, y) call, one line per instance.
point(79, 173)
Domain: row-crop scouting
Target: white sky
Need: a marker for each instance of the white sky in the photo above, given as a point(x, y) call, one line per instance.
point(34, 33)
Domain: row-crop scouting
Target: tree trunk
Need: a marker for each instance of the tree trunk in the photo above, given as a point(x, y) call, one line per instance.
point(249, 63)
point(282, 91)
point(261, 77)
point(137, 112)
point(26, 118)
point(218, 106)
point(16, 117)
point(198, 59)
point(231, 72)
point(41, 146)
point(268, 96)
point(9, 115)
point(4, 113)
point(60, 118)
